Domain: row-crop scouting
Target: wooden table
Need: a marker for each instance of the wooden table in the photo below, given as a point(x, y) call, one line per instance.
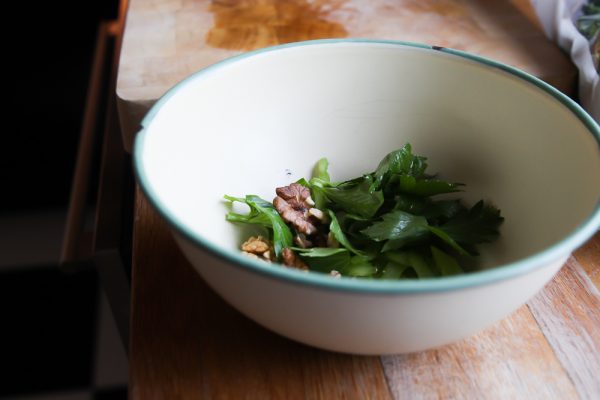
point(187, 343)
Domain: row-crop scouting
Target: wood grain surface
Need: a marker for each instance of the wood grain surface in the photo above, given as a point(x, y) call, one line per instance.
point(167, 40)
point(510, 360)
point(568, 313)
point(589, 259)
point(186, 343)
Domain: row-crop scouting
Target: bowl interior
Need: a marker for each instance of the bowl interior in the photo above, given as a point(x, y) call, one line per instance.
point(260, 122)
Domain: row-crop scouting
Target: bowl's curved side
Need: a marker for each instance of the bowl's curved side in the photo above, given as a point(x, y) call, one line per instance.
point(167, 151)
point(501, 117)
point(365, 323)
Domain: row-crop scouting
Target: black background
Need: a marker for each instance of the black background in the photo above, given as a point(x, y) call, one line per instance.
point(48, 318)
point(49, 46)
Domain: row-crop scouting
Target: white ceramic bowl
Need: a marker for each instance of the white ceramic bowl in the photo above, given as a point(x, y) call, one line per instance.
point(261, 120)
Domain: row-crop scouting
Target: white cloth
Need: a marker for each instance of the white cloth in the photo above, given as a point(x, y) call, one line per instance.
point(557, 18)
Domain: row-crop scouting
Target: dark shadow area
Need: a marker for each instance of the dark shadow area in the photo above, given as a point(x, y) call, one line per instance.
point(47, 82)
point(48, 339)
point(48, 324)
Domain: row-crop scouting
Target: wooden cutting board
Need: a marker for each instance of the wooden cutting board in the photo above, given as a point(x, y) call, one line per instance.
point(166, 40)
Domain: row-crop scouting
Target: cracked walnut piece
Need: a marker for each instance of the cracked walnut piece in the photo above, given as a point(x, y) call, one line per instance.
point(302, 241)
point(293, 203)
point(257, 246)
point(291, 259)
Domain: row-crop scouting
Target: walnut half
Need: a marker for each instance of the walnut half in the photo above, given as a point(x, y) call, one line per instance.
point(293, 203)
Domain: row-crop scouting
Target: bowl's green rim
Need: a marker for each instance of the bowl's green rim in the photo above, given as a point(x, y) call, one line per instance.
point(515, 269)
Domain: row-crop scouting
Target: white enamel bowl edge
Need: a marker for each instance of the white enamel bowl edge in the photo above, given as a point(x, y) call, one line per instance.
point(261, 120)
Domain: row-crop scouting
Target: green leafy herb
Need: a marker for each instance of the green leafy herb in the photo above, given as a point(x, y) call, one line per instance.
point(399, 162)
point(340, 236)
point(261, 211)
point(397, 225)
point(320, 170)
point(325, 259)
point(387, 224)
point(448, 240)
point(445, 263)
point(394, 271)
point(478, 225)
point(316, 186)
point(425, 187)
point(359, 266)
point(442, 210)
point(355, 198)
point(414, 260)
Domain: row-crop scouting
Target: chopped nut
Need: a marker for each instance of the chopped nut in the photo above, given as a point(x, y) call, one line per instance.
point(268, 255)
point(291, 259)
point(258, 247)
point(302, 241)
point(318, 214)
point(292, 203)
point(332, 241)
point(335, 274)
